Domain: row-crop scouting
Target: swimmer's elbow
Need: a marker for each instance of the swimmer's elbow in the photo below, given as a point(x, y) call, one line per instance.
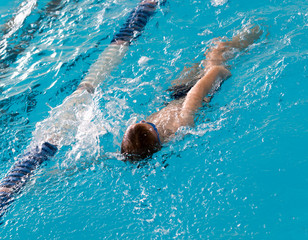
point(221, 71)
point(225, 73)
point(196, 95)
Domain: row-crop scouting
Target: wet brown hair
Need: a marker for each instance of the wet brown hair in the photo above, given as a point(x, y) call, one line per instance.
point(140, 141)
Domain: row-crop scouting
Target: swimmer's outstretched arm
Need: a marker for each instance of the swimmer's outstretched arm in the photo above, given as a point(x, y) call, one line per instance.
point(195, 96)
point(224, 51)
point(215, 69)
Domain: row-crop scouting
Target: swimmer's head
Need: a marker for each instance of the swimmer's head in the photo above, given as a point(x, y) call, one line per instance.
point(140, 140)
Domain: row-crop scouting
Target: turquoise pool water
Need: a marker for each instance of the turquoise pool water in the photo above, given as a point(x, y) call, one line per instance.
point(240, 173)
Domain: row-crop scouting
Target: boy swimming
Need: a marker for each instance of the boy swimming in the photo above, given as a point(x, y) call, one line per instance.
point(142, 139)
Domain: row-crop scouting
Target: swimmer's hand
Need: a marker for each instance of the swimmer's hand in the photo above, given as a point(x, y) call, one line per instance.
point(246, 37)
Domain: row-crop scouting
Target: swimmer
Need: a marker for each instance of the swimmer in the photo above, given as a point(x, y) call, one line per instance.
point(143, 139)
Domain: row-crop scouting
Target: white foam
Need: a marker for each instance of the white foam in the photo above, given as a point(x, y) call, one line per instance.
point(143, 60)
point(217, 3)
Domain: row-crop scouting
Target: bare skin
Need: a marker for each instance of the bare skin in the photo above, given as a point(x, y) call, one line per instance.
point(181, 112)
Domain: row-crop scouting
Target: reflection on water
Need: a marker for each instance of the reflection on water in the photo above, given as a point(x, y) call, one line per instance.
point(12, 47)
point(239, 173)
